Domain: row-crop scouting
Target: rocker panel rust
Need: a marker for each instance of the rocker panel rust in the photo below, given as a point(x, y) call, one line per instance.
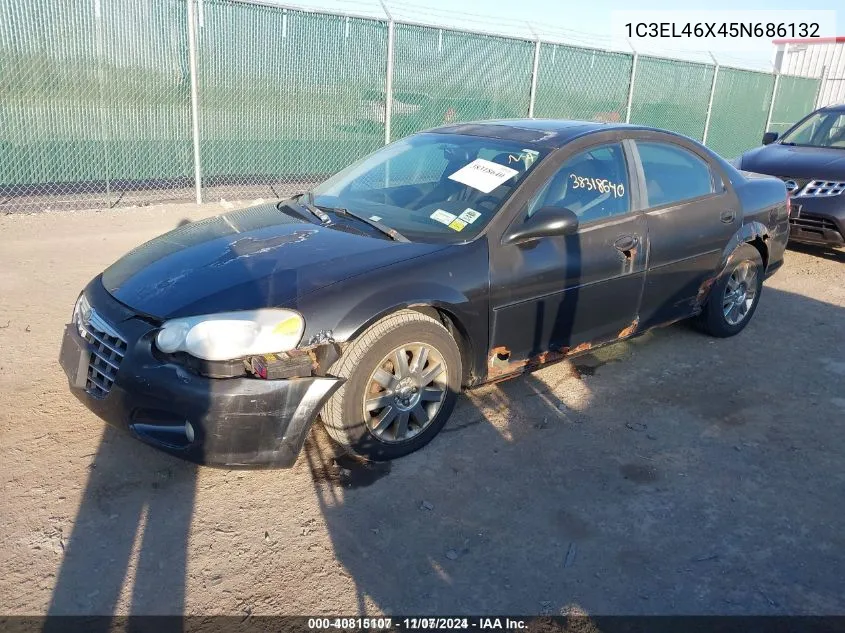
point(500, 367)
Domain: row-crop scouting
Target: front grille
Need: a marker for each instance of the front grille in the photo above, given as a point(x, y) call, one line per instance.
point(818, 188)
point(795, 185)
point(107, 350)
point(814, 223)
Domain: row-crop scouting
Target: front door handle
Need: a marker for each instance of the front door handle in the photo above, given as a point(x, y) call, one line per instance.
point(626, 244)
point(727, 216)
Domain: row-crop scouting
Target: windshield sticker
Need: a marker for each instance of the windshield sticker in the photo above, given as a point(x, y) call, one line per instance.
point(457, 224)
point(602, 185)
point(483, 175)
point(442, 216)
point(469, 216)
point(375, 218)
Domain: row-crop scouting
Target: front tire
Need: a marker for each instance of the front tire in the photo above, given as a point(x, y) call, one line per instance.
point(403, 375)
point(735, 295)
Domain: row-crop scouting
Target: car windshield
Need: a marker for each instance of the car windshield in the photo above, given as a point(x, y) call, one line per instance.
point(822, 129)
point(431, 187)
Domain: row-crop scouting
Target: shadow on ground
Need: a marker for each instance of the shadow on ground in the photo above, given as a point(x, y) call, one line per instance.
point(670, 474)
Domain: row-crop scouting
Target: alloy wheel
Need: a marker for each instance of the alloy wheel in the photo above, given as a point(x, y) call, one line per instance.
point(740, 292)
point(405, 392)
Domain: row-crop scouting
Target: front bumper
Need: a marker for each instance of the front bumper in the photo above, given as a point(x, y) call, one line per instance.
point(818, 221)
point(232, 422)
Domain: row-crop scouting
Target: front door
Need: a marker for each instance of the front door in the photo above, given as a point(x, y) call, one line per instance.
point(562, 292)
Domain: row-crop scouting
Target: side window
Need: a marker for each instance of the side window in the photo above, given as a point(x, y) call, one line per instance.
point(592, 184)
point(673, 174)
point(836, 136)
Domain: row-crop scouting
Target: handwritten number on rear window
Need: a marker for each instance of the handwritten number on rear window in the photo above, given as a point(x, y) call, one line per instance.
point(602, 185)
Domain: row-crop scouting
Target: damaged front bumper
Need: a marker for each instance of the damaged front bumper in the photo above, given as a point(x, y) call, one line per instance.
point(231, 422)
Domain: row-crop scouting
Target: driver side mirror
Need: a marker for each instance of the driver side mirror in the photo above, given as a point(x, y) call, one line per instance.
point(547, 222)
point(769, 138)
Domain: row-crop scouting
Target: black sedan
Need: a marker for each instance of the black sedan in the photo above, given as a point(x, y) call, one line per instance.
point(463, 255)
point(810, 159)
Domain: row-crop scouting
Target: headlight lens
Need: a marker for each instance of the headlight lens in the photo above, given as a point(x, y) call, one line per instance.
point(81, 312)
point(231, 335)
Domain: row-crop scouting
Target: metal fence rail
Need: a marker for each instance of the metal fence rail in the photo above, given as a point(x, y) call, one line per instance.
point(108, 103)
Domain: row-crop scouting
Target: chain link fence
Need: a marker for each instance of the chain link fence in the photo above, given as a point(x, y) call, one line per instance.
point(738, 118)
point(97, 106)
point(443, 76)
point(672, 95)
point(795, 97)
point(581, 83)
point(286, 98)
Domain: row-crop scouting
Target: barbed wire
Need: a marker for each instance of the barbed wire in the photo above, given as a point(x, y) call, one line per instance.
point(513, 26)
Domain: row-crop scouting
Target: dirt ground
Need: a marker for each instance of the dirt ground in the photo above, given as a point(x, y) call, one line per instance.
point(672, 474)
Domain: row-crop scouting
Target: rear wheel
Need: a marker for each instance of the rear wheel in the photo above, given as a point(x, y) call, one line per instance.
point(735, 295)
point(403, 376)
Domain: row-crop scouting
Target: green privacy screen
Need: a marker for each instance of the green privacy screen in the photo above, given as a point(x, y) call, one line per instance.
point(672, 94)
point(286, 96)
point(443, 76)
point(95, 96)
point(740, 107)
point(794, 99)
point(92, 96)
point(580, 83)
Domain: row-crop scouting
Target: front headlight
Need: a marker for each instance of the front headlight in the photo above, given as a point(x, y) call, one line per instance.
point(231, 335)
point(81, 313)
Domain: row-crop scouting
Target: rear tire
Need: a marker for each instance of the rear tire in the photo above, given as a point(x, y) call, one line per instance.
point(403, 375)
point(735, 295)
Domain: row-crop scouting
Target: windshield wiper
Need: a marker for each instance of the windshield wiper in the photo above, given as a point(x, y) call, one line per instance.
point(307, 201)
point(390, 232)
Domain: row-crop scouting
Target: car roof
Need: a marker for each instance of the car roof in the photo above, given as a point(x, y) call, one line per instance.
point(548, 133)
point(833, 107)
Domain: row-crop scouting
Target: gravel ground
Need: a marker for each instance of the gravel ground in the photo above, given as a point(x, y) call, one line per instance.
point(672, 474)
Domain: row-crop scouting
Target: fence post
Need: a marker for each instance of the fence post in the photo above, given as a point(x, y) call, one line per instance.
point(105, 138)
point(772, 104)
point(710, 101)
point(533, 94)
point(631, 87)
point(388, 79)
point(822, 79)
point(195, 116)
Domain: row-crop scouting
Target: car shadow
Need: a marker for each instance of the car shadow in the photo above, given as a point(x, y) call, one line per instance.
point(636, 479)
point(831, 254)
point(639, 478)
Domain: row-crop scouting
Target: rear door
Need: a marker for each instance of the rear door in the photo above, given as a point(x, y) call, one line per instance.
point(558, 292)
point(691, 215)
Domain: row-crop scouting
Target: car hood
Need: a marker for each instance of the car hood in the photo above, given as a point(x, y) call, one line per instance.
point(791, 161)
point(254, 258)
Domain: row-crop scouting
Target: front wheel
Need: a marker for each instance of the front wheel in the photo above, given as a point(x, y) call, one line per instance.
point(735, 295)
point(402, 378)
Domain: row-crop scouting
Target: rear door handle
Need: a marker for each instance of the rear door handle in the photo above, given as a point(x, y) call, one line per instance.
point(626, 244)
point(727, 216)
